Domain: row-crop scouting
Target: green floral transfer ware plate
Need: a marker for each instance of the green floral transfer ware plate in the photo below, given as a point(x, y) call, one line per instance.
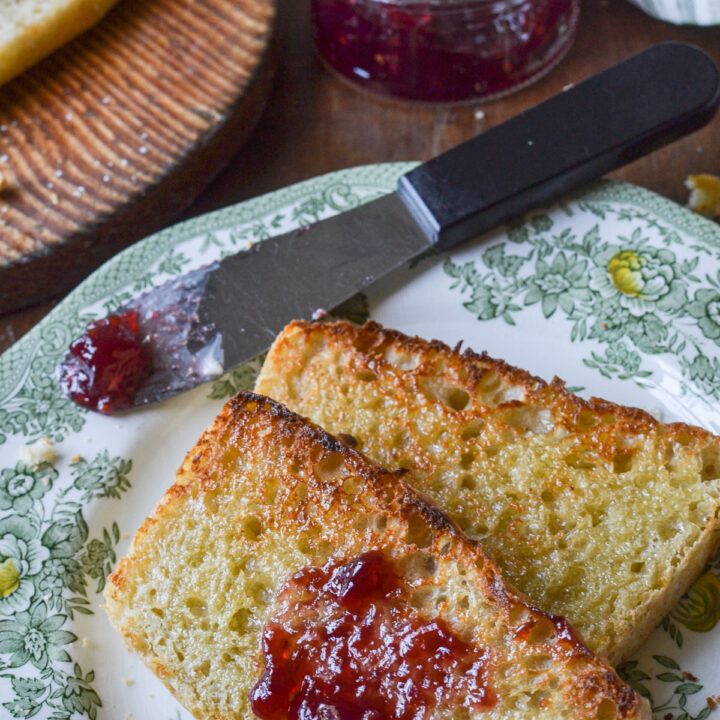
point(616, 290)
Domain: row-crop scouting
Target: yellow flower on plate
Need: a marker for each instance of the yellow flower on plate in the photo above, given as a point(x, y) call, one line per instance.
point(625, 271)
point(9, 577)
point(699, 610)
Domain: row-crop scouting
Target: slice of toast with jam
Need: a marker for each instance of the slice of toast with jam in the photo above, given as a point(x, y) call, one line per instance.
point(285, 575)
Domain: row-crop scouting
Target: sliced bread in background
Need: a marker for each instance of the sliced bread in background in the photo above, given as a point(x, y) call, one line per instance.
point(265, 495)
point(598, 512)
point(32, 29)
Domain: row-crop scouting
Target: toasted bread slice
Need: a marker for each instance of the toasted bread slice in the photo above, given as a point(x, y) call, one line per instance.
point(32, 29)
point(598, 512)
point(265, 493)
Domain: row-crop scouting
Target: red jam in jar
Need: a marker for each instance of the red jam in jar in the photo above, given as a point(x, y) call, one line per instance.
point(345, 644)
point(444, 50)
point(105, 366)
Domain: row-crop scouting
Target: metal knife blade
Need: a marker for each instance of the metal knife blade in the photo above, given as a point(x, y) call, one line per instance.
point(214, 318)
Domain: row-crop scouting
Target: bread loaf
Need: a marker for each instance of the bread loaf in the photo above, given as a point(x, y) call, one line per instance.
point(32, 29)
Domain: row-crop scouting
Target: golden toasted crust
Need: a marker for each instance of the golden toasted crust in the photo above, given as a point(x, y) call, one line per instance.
point(597, 511)
point(58, 22)
point(265, 493)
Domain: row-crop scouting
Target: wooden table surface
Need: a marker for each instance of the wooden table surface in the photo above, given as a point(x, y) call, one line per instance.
point(315, 124)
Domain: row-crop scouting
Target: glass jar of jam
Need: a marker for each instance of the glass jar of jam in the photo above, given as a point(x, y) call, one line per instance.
point(443, 51)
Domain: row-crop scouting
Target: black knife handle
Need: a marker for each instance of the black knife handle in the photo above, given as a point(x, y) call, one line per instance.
point(647, 101)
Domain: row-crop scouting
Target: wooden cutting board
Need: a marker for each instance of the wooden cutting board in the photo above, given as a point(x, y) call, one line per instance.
point(110, 138)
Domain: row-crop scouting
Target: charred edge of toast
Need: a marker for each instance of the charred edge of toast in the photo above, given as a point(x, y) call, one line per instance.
point(371, 339)
point(593, 678)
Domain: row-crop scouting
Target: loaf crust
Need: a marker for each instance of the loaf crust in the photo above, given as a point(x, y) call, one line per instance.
point(264, 493)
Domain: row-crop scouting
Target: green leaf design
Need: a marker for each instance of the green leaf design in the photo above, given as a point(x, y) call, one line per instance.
point(688, 688)
point(666, 662)
point(27, 687)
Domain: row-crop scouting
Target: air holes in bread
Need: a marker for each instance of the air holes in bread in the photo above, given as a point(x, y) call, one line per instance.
point(453, 397)
point(157, 611)
point(401, 360)
point(710, 458)
point(418, 565)
point(468, 482)
point(419, 532)
point(637, 567)
point(366, 375)
point(252, 528)
point(530, 419)
point(489, 382)
point(351, 486)
point(456, 398)
point(586, 420)
point(258, 592)
point(622, 463)
point(422, 598)
point(196, 606)
point(543, 631)
point(581, 459)
point(466, 459)
point(371, 521)
point(472, 430)
point(607, 710)
point(240, 620)
point(330, 467)
point(536, 663)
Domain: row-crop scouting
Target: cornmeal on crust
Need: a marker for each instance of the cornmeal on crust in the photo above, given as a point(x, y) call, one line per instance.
point(598, 512)
point(265, 493)
point(32, 29)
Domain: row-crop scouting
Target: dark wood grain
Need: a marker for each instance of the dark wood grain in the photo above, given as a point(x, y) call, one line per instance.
point(117, 133)
point(315, 124)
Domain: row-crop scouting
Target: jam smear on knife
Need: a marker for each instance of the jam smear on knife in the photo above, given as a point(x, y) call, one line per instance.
point(346, 645)
point(105, 366)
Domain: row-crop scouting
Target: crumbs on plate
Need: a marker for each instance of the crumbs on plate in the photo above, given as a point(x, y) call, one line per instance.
point(704, 194)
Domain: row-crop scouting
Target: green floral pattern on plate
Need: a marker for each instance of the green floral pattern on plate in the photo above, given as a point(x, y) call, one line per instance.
point(622, 293)
point(620, 298)
point(47, 559)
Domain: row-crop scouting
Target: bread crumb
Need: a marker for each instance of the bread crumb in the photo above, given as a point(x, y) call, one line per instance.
point(75, 459)
point(42, 451)
point(319, 314)
point(128, 682)
point(85, 642)
point(704, 194)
